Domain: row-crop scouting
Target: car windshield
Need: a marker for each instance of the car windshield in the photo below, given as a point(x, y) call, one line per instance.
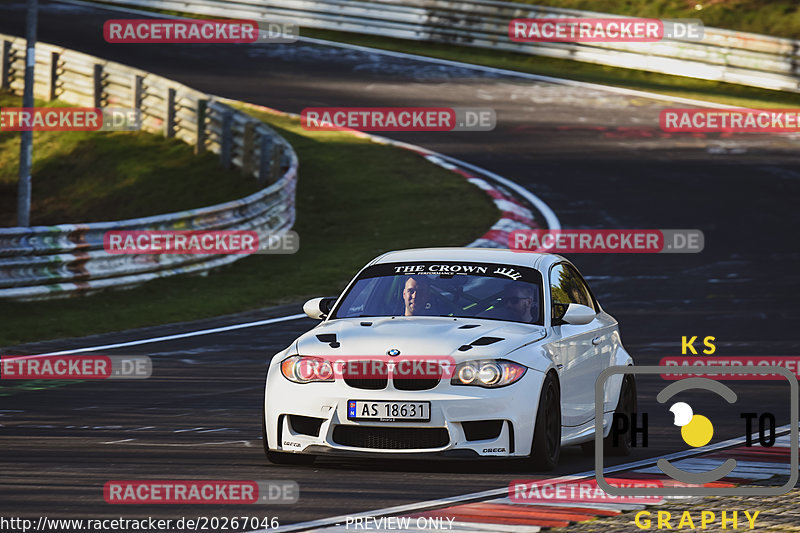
point(452, 289)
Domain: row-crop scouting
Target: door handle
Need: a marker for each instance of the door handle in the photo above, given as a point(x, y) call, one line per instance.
point(597, 340)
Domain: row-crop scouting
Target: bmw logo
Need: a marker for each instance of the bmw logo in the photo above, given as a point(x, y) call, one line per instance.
point(394, 352)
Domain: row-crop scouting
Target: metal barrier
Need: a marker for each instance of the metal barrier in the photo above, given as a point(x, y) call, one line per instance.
point(69, 259)
point(723, 55)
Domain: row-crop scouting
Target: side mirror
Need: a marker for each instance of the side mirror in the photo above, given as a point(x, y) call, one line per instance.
point(578, 315)
point(318, 308)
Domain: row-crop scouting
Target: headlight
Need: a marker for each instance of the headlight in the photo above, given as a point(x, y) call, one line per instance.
point(488, 373)
point(306, 369)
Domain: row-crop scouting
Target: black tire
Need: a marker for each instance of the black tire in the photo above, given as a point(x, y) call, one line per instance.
point(627, 406)
point(281, 458)
point(546, 448)
point(588, 448)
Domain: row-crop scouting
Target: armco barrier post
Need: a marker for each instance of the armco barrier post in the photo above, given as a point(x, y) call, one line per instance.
point(264, 159)
point(226, 146)
point(275, 164)
point(200, 140)
point(137, 91)
point(169, 113)
point(5, 64)
point(98, 85)
point(51, 93)
point(248, 148)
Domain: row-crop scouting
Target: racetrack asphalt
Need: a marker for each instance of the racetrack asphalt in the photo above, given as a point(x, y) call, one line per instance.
point(596, 157)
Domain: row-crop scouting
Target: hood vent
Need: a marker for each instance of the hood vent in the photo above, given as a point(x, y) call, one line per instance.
point(329, 339)
point(486, 341)
point(483, 341)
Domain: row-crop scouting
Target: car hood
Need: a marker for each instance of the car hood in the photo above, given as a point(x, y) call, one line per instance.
point(417, 336)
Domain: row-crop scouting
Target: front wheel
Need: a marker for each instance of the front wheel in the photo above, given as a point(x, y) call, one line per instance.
point(281, 458)
point(546, 448)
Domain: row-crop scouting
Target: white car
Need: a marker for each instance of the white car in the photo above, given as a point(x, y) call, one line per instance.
point(449, 352)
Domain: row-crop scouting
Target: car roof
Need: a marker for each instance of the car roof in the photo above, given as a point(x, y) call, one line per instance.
point(541, 261)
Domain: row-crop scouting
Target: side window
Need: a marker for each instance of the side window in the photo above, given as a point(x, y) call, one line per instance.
point(567, 287)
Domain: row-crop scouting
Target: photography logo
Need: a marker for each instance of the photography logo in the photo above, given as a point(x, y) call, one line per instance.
point(696, 430)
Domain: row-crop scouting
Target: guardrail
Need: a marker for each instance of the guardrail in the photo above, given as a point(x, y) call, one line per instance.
point(66, 260)
point(723, 55)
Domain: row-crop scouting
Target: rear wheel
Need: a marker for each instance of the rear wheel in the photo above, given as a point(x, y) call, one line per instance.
point(546, 447)
point(626, 406)
point(281, 458)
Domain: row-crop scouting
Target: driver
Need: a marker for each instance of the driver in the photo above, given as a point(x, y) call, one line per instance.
point(518, 299)
point(416, 295)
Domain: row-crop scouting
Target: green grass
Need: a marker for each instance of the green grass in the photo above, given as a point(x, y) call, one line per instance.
point(780, 18)
point(355, 200)
point(684, 87)
point(98, 176)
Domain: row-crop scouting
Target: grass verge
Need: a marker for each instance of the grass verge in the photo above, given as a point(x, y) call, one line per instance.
point(355, 200)
point(83, 176)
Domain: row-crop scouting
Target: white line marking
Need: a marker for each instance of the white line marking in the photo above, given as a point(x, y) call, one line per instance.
point(176, 336)
point(587, 505)
point(477, 526)
point(245, 442)
point(503, 491)
point(548, 214)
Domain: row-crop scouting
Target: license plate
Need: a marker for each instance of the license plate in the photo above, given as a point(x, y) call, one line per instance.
point(388, 411)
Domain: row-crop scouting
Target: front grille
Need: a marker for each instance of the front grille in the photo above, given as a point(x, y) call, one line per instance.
point(415, 384)
point(367, 375)
point(390, 438)
point(482, 429)
point(367, 383)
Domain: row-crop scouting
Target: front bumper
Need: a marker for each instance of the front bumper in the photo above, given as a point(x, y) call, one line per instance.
point(454, 410)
